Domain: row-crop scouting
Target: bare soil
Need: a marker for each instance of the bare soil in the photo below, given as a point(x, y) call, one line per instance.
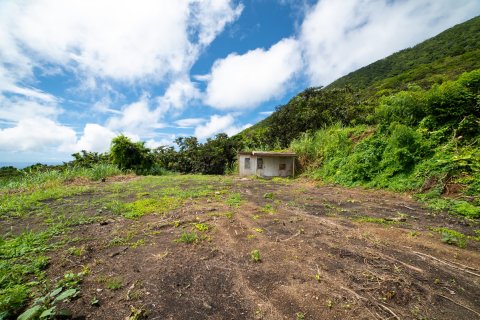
point(321, 258)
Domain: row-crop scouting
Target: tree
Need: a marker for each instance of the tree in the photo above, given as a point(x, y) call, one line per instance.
point(130, 155)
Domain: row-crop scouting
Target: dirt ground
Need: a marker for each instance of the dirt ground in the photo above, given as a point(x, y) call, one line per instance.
point(326, 253)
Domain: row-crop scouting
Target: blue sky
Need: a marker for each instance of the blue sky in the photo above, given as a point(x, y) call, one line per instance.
point(74, 74)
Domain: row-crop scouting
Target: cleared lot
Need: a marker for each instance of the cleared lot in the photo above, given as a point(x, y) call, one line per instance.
point(210, 247)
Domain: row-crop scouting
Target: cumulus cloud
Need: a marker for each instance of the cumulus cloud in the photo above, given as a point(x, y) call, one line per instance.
point(95, 138)
point(178, 95)
point(245, 81)
point(36, 134)
point(137, 119)
point(189, 122)
point(124, 41)
point(219, 124)
point(338, 37)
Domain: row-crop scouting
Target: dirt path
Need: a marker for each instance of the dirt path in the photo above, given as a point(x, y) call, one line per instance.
point(326, 253)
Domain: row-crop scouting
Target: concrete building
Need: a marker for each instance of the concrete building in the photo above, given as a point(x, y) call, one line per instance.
point(266, 164)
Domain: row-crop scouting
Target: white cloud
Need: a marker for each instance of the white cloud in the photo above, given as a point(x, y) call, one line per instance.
point(266, 113)
point(189, 122)
point(36, 134)
point(219, 124)
point(178, 95)
point(152, 144)
point(14, 109)
point(95, 138)
point(120, 40)
point(245, 81)
point(137, 119)
point(341, 36)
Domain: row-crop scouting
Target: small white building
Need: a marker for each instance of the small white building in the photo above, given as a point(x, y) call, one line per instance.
point(266, 164)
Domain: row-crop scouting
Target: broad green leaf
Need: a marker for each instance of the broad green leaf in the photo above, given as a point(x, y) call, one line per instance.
point(66, 294)
point(55, 292)
point(48, 313)
point(30, 313)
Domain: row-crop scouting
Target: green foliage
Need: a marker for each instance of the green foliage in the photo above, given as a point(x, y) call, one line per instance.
point(255, 256)
point(188, 237)
point(452, 237)
point(128, 155)
point(51, 177)
point(202, 227)
point(212, 157)
point(87, 159)
point(234, 200)
point(113, 284)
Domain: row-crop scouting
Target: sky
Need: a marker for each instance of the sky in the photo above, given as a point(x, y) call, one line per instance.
point(74, 74)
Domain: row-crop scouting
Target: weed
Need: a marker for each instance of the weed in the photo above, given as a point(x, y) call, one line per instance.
point(138, 243)
point(268, 208)
point(329, 304)
point(259, 230)
point(188, 237)
point(373, 220)
point(318, 277)
point(255, 256)
point(94, 301)
point(113, 284)
point(76, 251)
point(202, 227)
point(452, 237)
point(412, 234)
point(234, 200)
point(229, 214)
point(268, 195)
point(300, 316)
point(251, 236)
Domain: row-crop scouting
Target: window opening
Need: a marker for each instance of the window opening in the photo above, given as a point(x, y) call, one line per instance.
point(247, 163)
point(259, 163)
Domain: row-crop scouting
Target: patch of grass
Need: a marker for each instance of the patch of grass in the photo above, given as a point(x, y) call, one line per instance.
point(142, 207)
point(188, 237)
point(202, 227)
point(76, 251)
point(234, 200)
point(373, 220)
point(22, 258)
point(21, 204)
point(452, 237)
point(412, 234)
point(229, 214)
point(268, 208)
point(268, 195)
point(255, 256)
point(300, 316)
point(113, 284)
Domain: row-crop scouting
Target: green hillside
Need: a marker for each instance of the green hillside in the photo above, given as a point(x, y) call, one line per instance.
point(353, 98)
point(440, 58)
point(409, 122)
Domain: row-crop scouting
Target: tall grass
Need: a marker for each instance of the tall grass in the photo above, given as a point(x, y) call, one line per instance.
point(35, 179)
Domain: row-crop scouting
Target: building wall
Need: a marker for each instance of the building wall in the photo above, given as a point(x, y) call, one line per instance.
point(271, 166)
point(241, 165)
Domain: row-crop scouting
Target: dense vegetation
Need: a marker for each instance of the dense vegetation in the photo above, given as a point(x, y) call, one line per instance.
point(425, 140)
point(410, 121)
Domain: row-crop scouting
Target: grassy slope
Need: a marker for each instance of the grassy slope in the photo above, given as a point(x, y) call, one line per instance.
point(443, 57)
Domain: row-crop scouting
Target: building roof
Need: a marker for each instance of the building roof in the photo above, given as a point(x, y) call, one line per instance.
point(268, 153)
